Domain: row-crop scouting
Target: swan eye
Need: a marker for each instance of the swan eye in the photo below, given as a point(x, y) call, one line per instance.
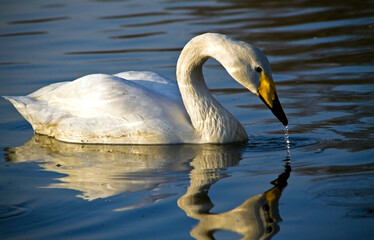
point(258, 69)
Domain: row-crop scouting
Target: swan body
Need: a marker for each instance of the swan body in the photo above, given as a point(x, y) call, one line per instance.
point(145, 108)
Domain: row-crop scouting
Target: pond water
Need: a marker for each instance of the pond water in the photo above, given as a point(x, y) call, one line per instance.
point(322, 59)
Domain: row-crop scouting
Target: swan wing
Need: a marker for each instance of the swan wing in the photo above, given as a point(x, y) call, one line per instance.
point(102, 108)
point(150, 80)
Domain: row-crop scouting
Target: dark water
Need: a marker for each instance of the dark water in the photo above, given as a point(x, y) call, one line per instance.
point(322, 58)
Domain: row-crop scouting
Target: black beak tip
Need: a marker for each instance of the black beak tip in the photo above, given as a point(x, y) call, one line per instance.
point(277, 110)
point(284, 121)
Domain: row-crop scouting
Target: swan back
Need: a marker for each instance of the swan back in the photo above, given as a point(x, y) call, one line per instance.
point(100, 108)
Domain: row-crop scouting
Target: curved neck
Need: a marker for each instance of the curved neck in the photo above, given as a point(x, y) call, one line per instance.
point(210, 119)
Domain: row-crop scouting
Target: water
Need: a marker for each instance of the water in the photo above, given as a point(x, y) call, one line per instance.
point(316, 182)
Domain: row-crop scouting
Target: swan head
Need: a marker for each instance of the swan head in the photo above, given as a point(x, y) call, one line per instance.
point(245, 63)
point(249, 66)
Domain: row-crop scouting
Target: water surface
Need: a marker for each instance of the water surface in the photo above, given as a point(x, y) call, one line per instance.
point(322, 59)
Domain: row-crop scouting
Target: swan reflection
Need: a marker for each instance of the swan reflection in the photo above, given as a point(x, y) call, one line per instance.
point(101, 171)
point(256, 218)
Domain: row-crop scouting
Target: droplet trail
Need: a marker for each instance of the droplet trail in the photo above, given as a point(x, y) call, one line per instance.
point(287, 140)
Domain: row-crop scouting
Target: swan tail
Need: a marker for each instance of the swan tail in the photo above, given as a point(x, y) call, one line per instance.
point(20, 103)
point(42, 117)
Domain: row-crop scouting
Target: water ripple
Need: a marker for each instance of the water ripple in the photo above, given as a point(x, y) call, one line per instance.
point(123, 51)
point(21, 34)
point(138, 35)
point(40, 20)
point(10, 211)
point(270, 143)
point(134, 15)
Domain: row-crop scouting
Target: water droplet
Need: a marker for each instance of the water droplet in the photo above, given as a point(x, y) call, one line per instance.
point(287, 140)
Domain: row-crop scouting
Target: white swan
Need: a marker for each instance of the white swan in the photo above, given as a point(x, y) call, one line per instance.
point(144, 108)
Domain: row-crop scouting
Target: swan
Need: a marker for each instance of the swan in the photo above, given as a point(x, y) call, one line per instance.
point(145, 108)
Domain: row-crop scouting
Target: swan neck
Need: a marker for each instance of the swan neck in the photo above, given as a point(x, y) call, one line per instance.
point(209, 118)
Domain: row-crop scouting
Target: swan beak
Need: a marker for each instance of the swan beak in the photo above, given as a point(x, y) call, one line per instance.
point(268, 94)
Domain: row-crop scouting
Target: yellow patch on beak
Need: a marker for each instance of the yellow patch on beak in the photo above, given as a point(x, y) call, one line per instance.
point(266, 89)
